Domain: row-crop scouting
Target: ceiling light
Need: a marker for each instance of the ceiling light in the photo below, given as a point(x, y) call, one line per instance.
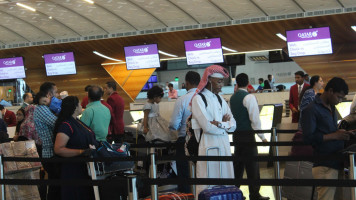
point(50, 17)
point(281, 36)
point(113, 63)
point(89, 1)
point(227, 49)
point(107, 57)
point(167, 54)
point(27, 7)
point(354, 28)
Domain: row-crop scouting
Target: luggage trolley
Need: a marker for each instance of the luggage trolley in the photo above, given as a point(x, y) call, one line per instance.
point(101, 170)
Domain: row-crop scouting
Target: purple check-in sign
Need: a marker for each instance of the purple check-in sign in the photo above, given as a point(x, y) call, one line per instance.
point(308, 34)
point(59, 57)
point(142, 56)
point(203, 51)
point(204, 44)
point(11, 62)
point(141, 50)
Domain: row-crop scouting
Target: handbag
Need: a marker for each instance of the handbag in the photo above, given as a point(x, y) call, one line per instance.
point(105, 150)
point(192, 144)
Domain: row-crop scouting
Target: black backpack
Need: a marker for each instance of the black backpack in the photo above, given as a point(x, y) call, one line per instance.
point(192, 145)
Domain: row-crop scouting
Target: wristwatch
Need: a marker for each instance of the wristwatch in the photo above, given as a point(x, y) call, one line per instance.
point(219, 124)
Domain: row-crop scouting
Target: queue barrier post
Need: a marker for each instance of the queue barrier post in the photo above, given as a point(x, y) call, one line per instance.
point(2, 177)
point(153, 174)
point(276, 164)
point(93, 177)
point(352, 174)
point(131, 181)
point(192, 175)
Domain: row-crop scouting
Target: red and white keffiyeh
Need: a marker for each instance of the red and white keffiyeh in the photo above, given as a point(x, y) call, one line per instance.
point(216, 71)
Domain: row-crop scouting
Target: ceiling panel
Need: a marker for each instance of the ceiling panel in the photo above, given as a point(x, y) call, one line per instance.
point(348, 3)
point(17, 25)
point(318, 4)
point(167, 11)
point(8, 36)
point(72, 23)
point(280, 7)
point(242, 9)
point(132, 13)
point(98, 15)
point(203, 11)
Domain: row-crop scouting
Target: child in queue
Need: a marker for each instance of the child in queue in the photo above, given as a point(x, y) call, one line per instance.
point(154, 126)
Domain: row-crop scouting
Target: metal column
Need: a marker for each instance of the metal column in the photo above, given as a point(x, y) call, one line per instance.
point(131, 181)
point(2, 177)
point(276, 164)
point(93, 177)
point(352, 174)
point(192, 175)
point(153, 174)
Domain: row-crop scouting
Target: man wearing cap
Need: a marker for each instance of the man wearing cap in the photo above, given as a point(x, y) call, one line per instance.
point(215, 119)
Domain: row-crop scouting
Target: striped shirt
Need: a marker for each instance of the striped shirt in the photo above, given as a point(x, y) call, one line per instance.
point(44, 124)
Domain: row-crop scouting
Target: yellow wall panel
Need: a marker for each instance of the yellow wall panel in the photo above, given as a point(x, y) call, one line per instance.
point(131, 81)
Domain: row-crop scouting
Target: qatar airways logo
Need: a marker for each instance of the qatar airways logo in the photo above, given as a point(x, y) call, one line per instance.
point(59, 58)
point(10, 62)
point(201, 45)
point(141, 50)
point(308, 34)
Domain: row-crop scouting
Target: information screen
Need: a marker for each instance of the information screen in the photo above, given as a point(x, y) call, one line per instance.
point(60, 64)
point(266, 117)
point(12, 68)
point(203, 51)
point(307, 42)
point(142, 57)
point(344, 108)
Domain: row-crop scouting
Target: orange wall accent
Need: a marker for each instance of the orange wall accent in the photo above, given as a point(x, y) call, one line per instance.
point(131, 81)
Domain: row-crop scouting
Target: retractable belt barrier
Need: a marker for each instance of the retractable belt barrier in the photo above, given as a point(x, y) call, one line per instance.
point(153, 181)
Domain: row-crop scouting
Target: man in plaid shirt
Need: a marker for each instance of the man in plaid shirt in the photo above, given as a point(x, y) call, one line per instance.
point(44, 124)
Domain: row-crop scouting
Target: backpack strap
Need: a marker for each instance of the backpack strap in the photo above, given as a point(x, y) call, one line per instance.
point(204, 99)
point(205, 102)
point(219, 98)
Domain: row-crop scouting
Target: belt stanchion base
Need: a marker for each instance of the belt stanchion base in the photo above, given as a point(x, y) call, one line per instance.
point(2, 177)
point(276, 164)
point(352, 174)
point(153, 174)
point(93, 177)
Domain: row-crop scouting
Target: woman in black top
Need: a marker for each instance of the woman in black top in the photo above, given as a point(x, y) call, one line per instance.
point(73, 138)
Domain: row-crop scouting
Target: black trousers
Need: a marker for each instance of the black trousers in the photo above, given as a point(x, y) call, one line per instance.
point(54, 172)
point(252, 167)
point(182, 165)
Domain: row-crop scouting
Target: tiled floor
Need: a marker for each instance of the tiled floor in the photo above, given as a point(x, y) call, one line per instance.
point(267, 173)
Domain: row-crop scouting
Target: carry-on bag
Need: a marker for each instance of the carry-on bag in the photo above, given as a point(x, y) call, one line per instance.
point(174, 196)
point(221, 192)
point(114, 151)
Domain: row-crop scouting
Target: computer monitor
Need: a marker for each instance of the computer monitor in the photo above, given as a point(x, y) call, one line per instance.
point(343, 109)
point(266, 117)
point(136, 115)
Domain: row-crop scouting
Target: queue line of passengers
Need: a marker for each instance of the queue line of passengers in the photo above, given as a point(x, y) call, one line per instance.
point(63, 134)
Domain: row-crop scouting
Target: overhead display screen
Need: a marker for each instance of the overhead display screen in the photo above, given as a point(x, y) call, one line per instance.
point(12, 68)
point(60, 64)
point(142, 57)
point(203, 51)
point(308, 42)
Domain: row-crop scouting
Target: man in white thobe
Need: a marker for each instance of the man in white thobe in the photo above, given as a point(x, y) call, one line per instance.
point(215, 119)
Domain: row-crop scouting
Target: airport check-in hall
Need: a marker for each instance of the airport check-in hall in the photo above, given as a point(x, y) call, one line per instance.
point(177, 99)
